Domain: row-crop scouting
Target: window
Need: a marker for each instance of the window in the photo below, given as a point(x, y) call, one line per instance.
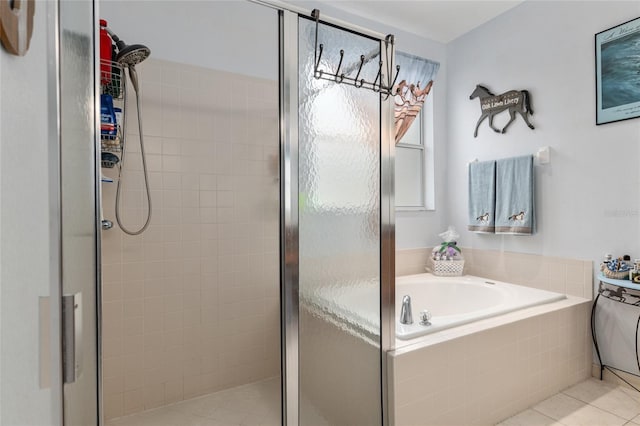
point(414, 163)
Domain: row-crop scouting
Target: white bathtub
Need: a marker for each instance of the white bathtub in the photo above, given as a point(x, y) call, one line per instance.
point(455, 301)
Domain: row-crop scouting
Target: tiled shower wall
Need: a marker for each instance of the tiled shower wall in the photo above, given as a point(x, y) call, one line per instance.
point(191, 306)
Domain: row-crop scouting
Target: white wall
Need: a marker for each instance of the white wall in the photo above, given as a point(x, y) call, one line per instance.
point(587, 198)
point(24, 227)
point(223, 35)
point(588, 202)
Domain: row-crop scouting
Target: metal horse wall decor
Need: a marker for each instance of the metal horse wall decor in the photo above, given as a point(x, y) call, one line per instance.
point(514, 100)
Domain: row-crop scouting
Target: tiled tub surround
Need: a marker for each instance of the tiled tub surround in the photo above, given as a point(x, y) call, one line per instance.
point(483, 372)
point(561, 275)
point(191, 306)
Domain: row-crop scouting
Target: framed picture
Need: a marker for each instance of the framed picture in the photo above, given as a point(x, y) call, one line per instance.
point(618, 73)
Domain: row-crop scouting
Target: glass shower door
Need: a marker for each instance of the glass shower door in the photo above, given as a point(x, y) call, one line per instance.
point(78, 206)
point(339, 197)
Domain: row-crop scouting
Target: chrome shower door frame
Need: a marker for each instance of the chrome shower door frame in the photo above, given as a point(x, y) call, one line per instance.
point(289, 260)
point(387, 233)
point(289, 219)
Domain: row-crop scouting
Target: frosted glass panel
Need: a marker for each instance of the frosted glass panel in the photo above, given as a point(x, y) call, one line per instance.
point(409, 177)
point(77, 156)
point(339, 220)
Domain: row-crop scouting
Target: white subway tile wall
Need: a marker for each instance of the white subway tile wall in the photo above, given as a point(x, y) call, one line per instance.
point(191, 306)
point(562, 275)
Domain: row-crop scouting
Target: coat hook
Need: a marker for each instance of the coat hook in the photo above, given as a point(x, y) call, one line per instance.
point(318, 73)
point(389, 89)
point(378, 84)
point(395, 78)
point(340, 77)
point(385, 93)
point(378, 77)
point(360, 67)
point(315, 14)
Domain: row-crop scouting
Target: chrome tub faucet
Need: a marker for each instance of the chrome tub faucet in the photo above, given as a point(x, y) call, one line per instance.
point(405, 313)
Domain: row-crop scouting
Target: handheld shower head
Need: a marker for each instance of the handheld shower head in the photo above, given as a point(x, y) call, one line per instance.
point(133, 54)
point(129, 55)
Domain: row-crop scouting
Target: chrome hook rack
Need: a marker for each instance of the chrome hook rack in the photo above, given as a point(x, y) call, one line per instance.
point(377, 86)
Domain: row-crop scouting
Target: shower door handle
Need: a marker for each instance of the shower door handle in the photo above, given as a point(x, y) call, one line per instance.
point(71, 337)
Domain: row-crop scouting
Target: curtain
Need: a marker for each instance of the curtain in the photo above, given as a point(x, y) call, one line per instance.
point(415, 81)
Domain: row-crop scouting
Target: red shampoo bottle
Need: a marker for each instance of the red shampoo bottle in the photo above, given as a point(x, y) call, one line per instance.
point(105, 53)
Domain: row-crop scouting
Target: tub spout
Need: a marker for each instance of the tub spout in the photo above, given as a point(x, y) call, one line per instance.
point(405, 314)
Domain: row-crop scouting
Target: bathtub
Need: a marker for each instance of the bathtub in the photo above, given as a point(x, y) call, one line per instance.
point(466, 370)
point(454, 301)
point(485, 357)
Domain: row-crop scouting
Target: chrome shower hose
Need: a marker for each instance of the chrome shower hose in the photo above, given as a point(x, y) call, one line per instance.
point(133, 78)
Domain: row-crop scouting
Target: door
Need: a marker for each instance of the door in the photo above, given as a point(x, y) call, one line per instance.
point(337, 225)
point(339, 219)
point(78, 212)
point(47, 249)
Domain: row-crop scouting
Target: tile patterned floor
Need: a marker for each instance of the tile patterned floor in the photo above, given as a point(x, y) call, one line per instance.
point(590, 403)
point(255, 404)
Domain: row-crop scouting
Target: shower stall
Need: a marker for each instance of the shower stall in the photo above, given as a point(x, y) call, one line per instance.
point(262, 290)
point(191, 305)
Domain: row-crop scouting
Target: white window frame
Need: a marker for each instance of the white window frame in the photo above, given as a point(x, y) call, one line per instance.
point(426, 123)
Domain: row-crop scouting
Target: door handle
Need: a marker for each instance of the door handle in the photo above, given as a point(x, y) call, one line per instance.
point(71, 337)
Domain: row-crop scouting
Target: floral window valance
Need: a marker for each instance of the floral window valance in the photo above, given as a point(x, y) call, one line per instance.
point(414, 84)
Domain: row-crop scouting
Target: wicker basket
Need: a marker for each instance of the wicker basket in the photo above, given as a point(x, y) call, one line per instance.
point(446, 268)
point(616, 275)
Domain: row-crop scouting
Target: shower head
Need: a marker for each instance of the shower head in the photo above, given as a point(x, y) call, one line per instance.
point(132, 54)
point(129, 55)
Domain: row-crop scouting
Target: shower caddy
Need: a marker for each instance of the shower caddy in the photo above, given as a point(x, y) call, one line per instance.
point(116, 87)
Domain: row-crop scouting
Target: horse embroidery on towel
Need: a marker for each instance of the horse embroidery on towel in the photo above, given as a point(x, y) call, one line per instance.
point(517, 216)
point(483, 218)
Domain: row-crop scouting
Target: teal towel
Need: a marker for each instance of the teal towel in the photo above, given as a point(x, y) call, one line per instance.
point(515, 204)
point(482, 196)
